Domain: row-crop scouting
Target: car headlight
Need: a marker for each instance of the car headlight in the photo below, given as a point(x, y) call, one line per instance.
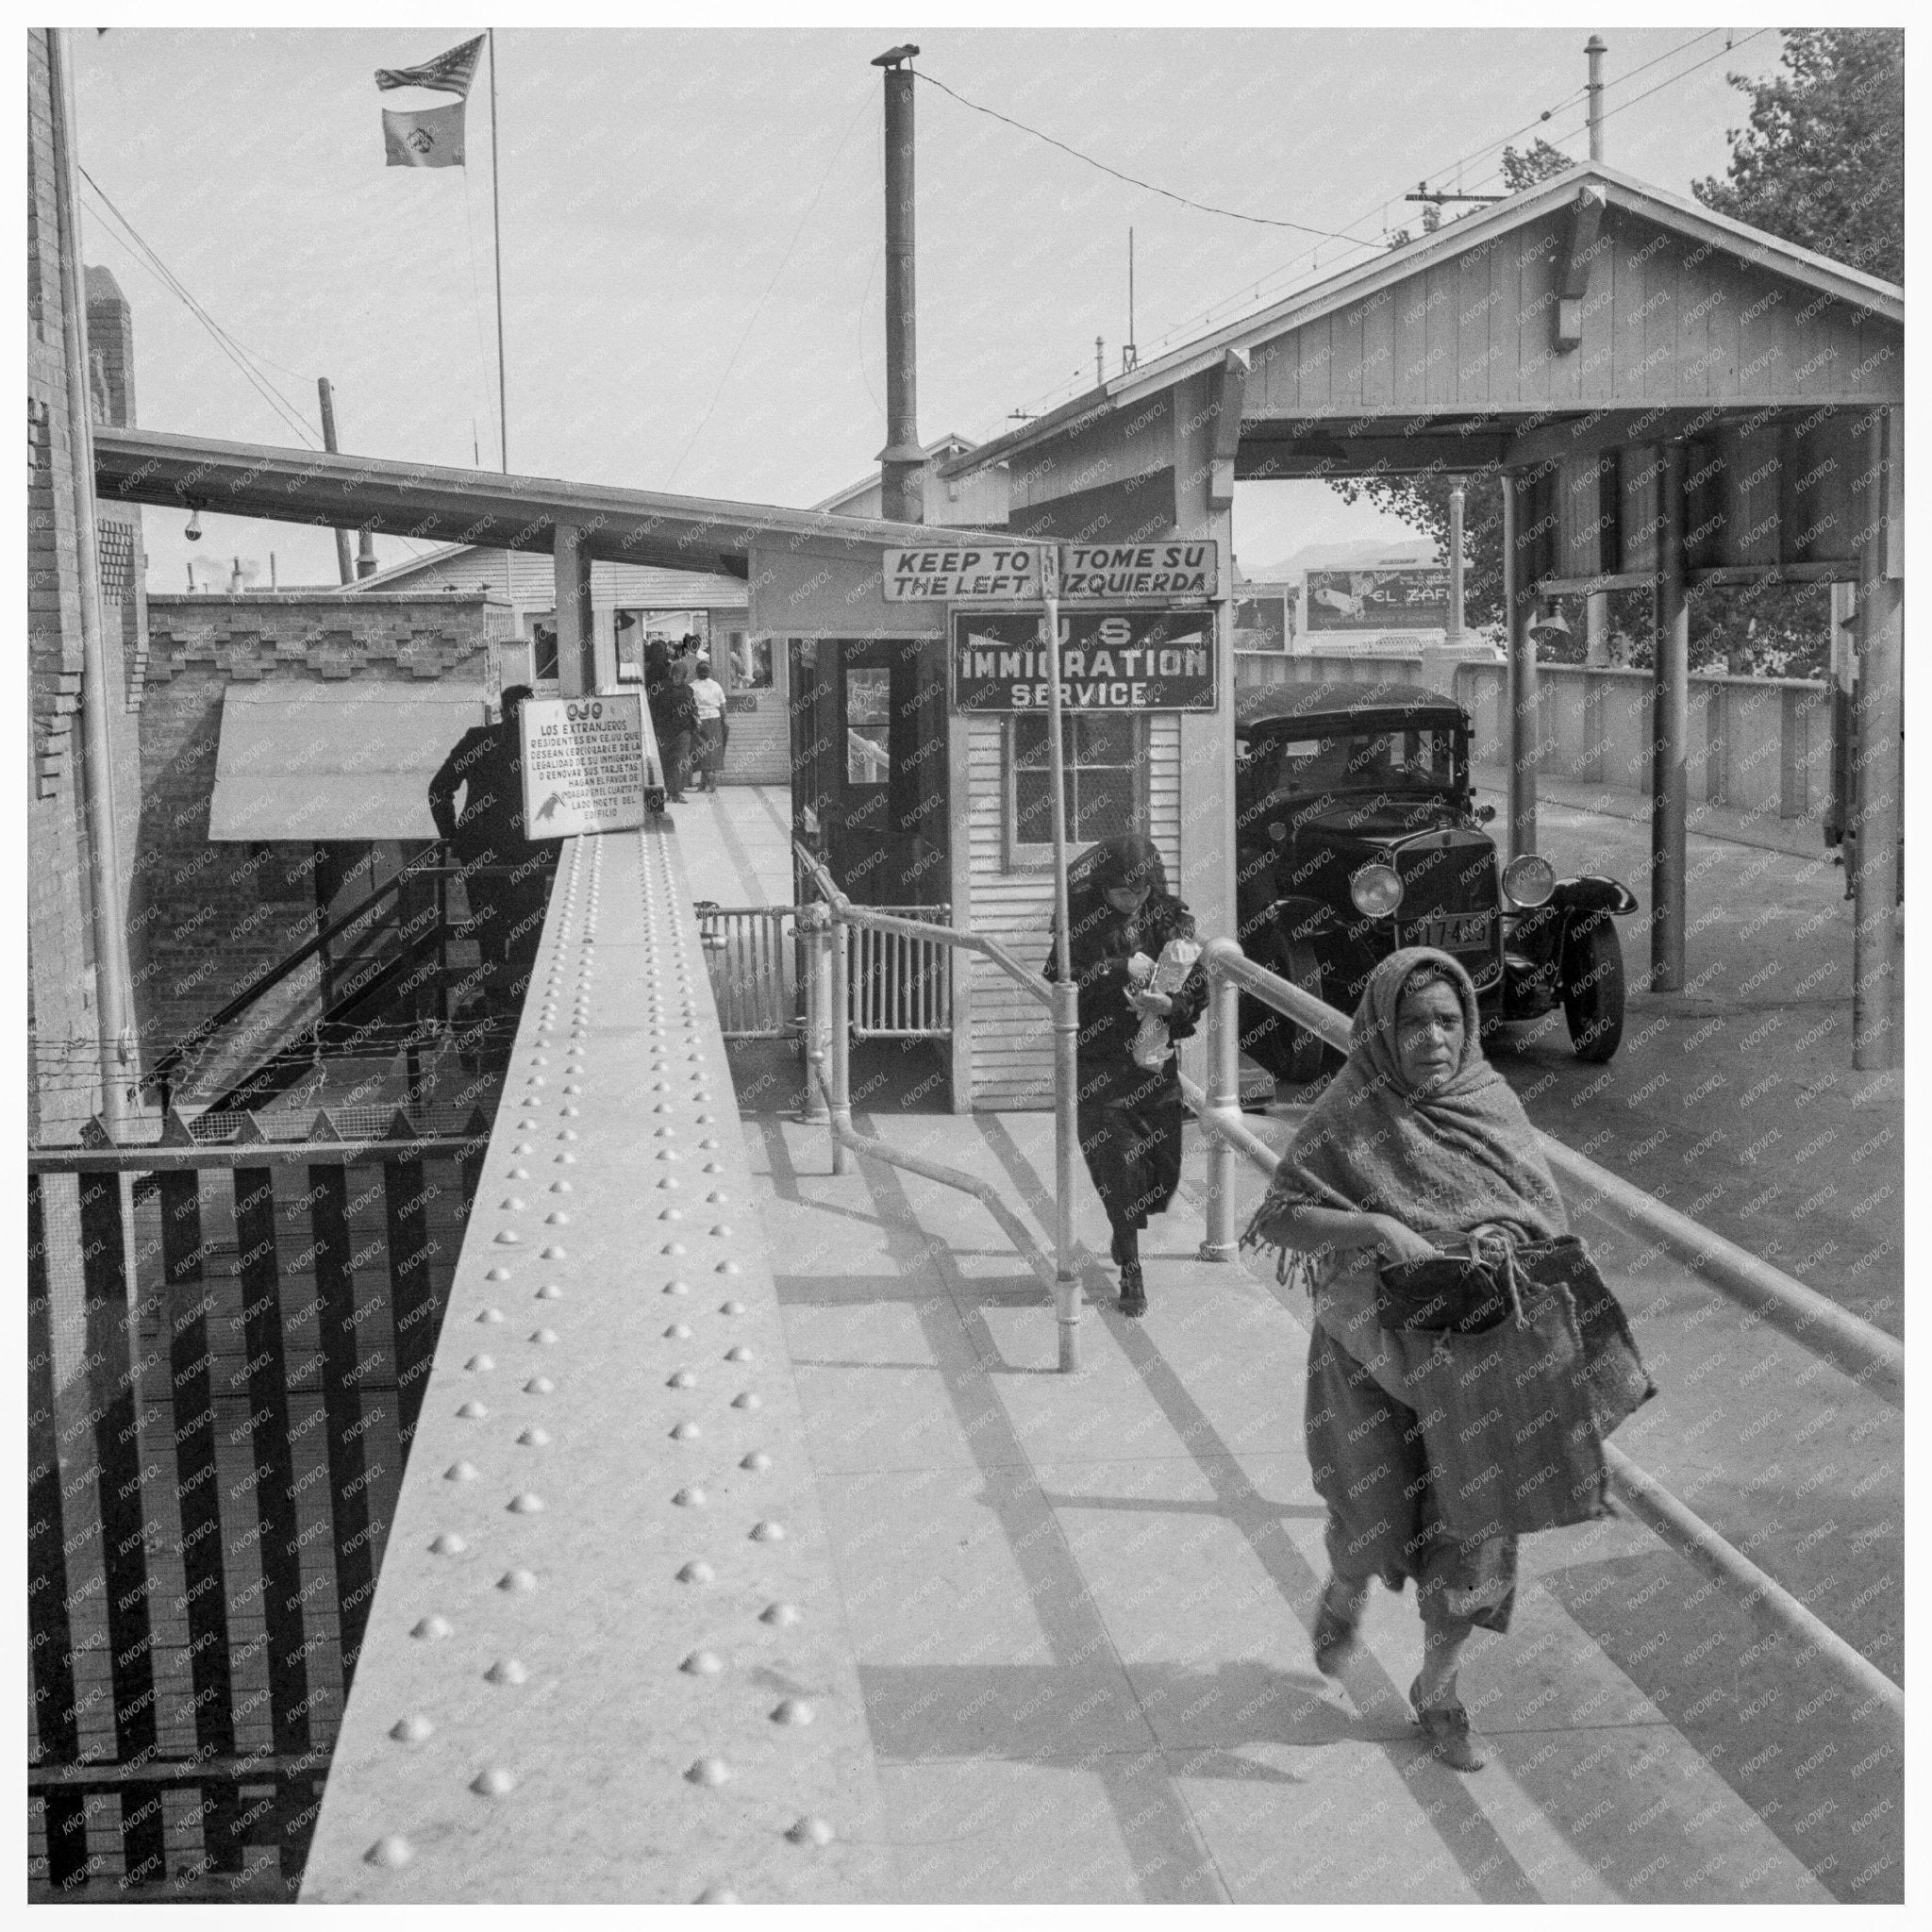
point(1529, 881)
point(1375, 889)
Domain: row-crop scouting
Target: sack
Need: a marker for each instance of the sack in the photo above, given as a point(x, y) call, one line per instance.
point(1460, 1290)
point(1618, 1383)
point(1508, 1419)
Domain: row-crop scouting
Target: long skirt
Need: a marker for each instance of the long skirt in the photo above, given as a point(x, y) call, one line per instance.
point(1129, 1124)
point(1366, 1452)
point(710, 747)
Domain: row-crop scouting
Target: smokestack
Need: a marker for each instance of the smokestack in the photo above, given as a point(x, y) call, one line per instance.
point(900, 460)
point(366, 565)
point(328, 443)
point(1593, 112)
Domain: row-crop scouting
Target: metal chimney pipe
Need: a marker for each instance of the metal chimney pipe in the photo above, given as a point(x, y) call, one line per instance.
point(366, 565)
point(344, 569)
point(1593, 114)
point(900, 460)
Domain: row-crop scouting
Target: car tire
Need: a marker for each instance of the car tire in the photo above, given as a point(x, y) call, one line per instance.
point(1593, 971)
point(1291, 1052)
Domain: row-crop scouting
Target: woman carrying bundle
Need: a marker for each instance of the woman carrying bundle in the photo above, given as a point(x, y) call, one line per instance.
point(1131, 946)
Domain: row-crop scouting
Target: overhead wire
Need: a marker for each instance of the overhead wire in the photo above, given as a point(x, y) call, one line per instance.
point(1285, 272)
point(242, 356)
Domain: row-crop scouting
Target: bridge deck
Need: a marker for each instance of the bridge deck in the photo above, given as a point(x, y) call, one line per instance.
point(1052, 1632)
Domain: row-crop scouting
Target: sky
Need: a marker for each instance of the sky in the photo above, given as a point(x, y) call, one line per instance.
point(693, 230)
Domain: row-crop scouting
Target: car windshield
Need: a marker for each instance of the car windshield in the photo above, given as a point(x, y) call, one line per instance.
point(1278, 766)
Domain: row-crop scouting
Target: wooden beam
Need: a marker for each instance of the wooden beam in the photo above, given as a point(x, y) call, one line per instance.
point(1227, 429)
point(1324, 457)
point(1581, 245)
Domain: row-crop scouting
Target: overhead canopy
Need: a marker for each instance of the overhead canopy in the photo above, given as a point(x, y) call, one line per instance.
point(324, 761)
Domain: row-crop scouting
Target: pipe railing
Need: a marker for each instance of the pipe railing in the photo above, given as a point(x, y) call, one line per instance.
point(1872, 1357)
point(828, 1057)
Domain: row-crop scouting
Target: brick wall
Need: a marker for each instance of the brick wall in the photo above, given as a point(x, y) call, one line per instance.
point(64, 1055)
point(212, 917)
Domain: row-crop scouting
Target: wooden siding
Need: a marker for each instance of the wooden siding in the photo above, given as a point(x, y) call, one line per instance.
point(1665, 320)
point(532, 584)
point(1012, 1042)
point(760, 748)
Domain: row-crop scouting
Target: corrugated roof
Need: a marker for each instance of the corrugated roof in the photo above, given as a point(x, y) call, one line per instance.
point(305, 762)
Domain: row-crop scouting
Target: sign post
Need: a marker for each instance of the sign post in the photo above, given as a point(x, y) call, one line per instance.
point(583, 763)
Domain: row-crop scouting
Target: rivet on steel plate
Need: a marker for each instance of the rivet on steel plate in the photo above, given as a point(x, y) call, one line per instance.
point(697, 1572)
point(678, 1331)
point(720, 1232)
point(506, 1670)
point(566, 1133)
point(553, 1253)
point(681, 1378)
point(566, 1159)
point(540, 1385)
point(448, 1544)
point(557, 1218)
point(757, 1459)
point(473, 1411)
point(740, 1354)
point(518, 1173)
point(562, 1187)
point(671, 1214)
point(508, 1238)
point(490, 1315)
point(707, 1142)
point(513, 1204)
point(494, 1783)
point(709, 1771)
point(810, 1831)
point(781, 1614)
point(750, 1398)
point(768, 1532)
point(702, 1663)
point(517, 1579)
point(731, 1308)
point(412, 1729)
point(669, 1180)
point(550, 1293)
point(543, 1336)
point(534, 1438)
point(717, 1197)
point(524, 1504)
point(685, 1432)
point(392, 1852)
point(482, 1364)
point(714, 1167)
point(673, 1248)
point(729, 1267)
point(432, 1626)
point(690, 1499)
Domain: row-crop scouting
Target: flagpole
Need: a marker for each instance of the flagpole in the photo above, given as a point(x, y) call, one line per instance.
point(497, 231)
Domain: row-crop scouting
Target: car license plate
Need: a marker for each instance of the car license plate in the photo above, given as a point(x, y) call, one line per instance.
point(1458, 930)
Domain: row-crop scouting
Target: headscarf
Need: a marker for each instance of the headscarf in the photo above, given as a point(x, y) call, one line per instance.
point(1450, 1156)
point(1115, 862)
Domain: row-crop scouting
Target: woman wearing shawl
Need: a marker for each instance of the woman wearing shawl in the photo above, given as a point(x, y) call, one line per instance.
point(1416, 1135)
point(1129, 1115)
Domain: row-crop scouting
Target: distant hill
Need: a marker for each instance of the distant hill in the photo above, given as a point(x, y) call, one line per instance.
point(1361, 553)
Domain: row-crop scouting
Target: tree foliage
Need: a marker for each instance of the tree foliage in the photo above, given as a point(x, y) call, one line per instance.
point(1822, 160)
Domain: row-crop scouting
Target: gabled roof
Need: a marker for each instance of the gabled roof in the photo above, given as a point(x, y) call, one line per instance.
point(1688, 218)
point(951, 446)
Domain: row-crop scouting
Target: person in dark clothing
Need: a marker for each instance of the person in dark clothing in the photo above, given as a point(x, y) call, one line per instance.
point(1120, 916)
point(506, 875)
point(661, 694)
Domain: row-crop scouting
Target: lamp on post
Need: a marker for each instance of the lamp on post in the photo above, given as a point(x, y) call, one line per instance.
point(1549, 622)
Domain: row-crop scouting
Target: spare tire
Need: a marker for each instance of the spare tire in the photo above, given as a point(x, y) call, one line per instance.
point(1593, 973)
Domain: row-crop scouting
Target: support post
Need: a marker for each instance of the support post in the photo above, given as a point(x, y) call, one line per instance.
point(345, 570)
point(576, 668)
point(1596, 627)
point(1879, 771)
point(1223, 1096)
point(1525, 704)
point(1066, 1148)
point(838, 1016)
point(812, 919)
point(1455, 509)
point(1593, 114)
point(1670, 776)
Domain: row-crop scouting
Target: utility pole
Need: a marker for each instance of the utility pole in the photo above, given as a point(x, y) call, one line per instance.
point(113, 977)
point(900, 460)
point(1099, 361)
point(1595, 49)
point(343, 568)
point(1130, 356)
point(1456, 504)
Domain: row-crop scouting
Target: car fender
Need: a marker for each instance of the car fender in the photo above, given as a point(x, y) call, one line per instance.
point(1297, 917)
point(1593, 893)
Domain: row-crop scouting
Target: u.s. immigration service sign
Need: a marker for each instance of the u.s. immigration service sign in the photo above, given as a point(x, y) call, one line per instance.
point(1111, 660)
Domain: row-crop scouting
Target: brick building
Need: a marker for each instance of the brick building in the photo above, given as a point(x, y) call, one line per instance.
point(63, 1031)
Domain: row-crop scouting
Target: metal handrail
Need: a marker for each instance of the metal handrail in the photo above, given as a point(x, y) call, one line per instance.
point(828, 1053)
point(849, 914)
point(1229, 973)
point(1852, 1344)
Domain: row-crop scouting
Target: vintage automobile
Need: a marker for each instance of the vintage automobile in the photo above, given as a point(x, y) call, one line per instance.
point(1356, 833)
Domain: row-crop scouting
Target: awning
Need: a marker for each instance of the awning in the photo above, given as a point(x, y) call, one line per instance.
point(349, 760)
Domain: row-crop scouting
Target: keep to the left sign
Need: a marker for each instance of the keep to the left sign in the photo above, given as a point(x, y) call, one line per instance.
point(960, 573)
point(583, 764)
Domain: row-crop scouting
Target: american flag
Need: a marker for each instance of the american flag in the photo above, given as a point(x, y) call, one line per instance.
point(451, 72)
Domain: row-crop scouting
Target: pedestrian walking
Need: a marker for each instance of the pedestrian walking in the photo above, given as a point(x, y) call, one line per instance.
point(1122, 921)
point(661, 694)
point(707, 711)
point(1415, 1139)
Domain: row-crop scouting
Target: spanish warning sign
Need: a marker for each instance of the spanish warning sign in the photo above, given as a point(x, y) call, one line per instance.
point(583, 764)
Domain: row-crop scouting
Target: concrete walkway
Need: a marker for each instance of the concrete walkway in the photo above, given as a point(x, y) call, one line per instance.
point(1079, 1606)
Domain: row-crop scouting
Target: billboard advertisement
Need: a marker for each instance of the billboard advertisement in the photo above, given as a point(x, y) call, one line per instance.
point(1412, 596)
